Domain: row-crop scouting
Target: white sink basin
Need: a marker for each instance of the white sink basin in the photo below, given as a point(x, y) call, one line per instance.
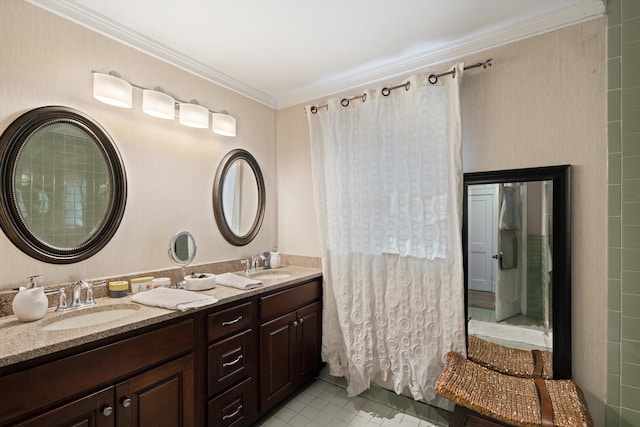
point(82, 318)
point(270, 276)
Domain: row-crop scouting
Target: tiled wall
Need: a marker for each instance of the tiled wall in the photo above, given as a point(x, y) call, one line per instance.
point(623, 332)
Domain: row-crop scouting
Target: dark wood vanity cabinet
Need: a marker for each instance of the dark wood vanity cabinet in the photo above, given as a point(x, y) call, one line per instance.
point(290, 335)
point(94, 410)
point(226, 366)
point(163, 396)
point(137, 381)
point(231, 366)
point(159, 397)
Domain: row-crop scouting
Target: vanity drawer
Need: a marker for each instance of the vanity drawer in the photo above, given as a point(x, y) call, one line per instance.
point(290, 299)
point(225, 322)
point(236, 407)
point(230, 361)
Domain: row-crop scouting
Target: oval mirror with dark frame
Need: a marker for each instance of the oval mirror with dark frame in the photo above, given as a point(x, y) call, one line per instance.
point(63, 185)
point(239, 197)
point(517, 258)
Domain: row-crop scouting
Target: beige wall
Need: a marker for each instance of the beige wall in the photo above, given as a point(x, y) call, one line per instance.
point(542, 103)
point(46, 60)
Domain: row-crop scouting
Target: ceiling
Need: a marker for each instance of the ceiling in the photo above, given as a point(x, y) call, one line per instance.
point(287, 52)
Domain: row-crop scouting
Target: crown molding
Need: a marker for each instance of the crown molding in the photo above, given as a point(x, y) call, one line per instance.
point(571, 15)
point(81, 15)
point(460, 48)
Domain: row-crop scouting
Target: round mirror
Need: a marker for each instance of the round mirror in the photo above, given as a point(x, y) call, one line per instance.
point(62, 183)
point(182, 248)
point(239, 197)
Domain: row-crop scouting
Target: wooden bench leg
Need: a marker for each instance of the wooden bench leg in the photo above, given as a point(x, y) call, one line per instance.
point(464, 417)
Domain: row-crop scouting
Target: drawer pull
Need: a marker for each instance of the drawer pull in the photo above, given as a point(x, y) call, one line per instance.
point(107, 410)
point(231, 322)
point(236, 412)
point(239, 358)
point(125, 402)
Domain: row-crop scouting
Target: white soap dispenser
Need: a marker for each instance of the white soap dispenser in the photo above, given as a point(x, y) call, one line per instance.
point(275, 258)
point(30, 303)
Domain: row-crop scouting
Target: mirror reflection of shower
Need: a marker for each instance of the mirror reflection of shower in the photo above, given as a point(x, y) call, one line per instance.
point(509, 263)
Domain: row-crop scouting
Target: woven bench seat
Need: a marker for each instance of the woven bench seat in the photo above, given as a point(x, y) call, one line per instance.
point(510, 361)
point(509, 399)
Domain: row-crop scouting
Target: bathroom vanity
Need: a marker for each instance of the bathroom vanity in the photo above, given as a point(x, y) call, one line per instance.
point(223, 365)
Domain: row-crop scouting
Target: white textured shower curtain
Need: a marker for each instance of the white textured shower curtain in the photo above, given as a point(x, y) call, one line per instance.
point(387, 180)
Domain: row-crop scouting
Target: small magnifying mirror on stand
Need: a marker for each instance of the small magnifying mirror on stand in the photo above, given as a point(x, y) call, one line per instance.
point(182, 251)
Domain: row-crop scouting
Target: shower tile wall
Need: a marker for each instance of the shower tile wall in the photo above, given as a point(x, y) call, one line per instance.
point(535, 254)
point(623, 98)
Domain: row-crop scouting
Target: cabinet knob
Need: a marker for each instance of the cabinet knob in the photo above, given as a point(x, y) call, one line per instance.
point(301, 320)
point(107, 410)
point(126, 402)
point(295, 323)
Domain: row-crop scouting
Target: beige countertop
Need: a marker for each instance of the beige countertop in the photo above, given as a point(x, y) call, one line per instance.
point(24, 341)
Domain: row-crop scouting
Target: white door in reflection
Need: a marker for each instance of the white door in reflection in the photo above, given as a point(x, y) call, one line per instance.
point(481, 235)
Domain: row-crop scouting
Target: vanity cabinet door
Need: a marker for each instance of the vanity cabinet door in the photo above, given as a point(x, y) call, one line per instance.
point(94, 410)
point(289, 341)
point(309, 339)
point(163, 396)
point(277, 345)
point(290, 347)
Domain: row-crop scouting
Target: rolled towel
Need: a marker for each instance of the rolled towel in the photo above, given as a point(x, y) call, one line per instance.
point(235, 281)
point(173, 299)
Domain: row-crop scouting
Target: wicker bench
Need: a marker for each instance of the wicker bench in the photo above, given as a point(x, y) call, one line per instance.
point(486, 397)
point(510, 361)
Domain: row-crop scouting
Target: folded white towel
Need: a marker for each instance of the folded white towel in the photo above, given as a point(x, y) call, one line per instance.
point(235, 281)
point(173, 299)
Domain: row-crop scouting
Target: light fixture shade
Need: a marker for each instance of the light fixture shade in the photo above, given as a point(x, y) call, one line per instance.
point(112, 90)
point(223, 124)
point(194, 115)
point(158, 104)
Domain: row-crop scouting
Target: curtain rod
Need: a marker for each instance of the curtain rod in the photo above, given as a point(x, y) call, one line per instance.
point(433, 79)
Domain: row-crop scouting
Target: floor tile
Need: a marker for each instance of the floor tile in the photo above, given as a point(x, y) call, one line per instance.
point(324, 404)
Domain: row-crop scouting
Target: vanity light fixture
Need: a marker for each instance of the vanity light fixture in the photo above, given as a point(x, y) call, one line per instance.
point(156, 103)
point(223, 124)
point(193, 115)
point(113, 90)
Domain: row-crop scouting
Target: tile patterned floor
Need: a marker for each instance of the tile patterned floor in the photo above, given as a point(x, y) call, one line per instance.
point(324, 404)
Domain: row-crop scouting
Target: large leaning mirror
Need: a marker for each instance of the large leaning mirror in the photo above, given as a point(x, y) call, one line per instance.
point(517, 249)
point(239, 197)
point(63, 185)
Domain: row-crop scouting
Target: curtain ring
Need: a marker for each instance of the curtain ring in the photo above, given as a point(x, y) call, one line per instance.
point(433, 79)
point(344, 102)
point(385, 91)
point(407, 85)
point(453, 73)
point(364, 97)
point(314, 109)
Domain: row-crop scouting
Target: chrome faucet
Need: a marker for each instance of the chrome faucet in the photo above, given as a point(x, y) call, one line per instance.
point(247, 266)
point(62, 301)
point(252, 265)
point(255, 263)
point(77, 291)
